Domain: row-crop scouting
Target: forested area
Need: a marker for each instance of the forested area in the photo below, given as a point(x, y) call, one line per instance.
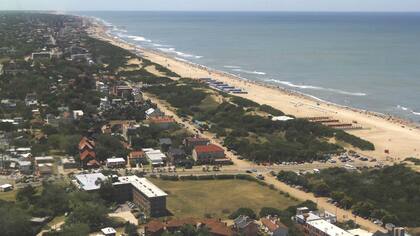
point(391, 194)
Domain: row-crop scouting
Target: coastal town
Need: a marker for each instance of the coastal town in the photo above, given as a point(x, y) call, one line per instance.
point(98, 137)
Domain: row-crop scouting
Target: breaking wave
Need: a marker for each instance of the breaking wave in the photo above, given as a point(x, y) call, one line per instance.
point(290, 84)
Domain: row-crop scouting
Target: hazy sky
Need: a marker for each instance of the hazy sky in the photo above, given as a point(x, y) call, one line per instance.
point(214, 5)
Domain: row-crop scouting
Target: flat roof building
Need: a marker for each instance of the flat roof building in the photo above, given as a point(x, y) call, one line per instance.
point(90, 182)
point(143, 193)
point(156, 157)
point(115, 162)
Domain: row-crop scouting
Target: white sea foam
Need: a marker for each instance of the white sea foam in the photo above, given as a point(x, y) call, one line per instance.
point(232, 67)
point(181, 54)
point(250, 72)
point(139, 38)
point(408, 110)
point(290, 84)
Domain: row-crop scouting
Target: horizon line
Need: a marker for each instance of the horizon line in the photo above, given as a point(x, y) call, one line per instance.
point(216, 11)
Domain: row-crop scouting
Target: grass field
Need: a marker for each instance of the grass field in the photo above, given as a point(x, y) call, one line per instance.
point(8, 196)
point(219, 198)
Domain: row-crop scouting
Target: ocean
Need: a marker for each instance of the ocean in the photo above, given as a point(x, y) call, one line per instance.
point(364, 60)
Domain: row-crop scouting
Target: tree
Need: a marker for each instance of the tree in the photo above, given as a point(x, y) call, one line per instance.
point(14, 221)
point(79, 229)
point(54, 199)
point(26, 194)
point(130, 229)
point(107, 191)
point(95, 215)
point(266, 211)
point(245, 212)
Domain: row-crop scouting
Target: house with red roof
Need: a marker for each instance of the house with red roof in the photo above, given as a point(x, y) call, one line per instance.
point(208, 153)
point(87, 153)
point(163, 122)
point(273, 226)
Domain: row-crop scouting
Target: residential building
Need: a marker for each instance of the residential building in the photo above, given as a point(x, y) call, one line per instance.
point(314, 225)
point(272, 226)
point(69, 163)
point(43, 160)
point(191, 142)
point(215, 227)
point(153, 112)
point(176, 155)
point(6, 187)
point(87, 153)
point(208, 153)
point(163, 122)
point(44, 169)
point(155, 157)
point(154, 228)
point(25, 167)
point(137, 157)
point(245, 226)
point(77, 114)
point(143, 193)
point(115, 162)
point(109, 231)
point(89, 182)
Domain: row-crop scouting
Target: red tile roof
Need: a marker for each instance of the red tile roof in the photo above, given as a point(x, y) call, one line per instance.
point(87, 153)
point(177, 223)
point(154, 226)
point(160, 120)
point(85, 142)
point(217, 227)
point(271, 226)
point(136, 154)
point(208, 149)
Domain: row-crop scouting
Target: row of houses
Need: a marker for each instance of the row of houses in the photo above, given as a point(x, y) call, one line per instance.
point(242, 225)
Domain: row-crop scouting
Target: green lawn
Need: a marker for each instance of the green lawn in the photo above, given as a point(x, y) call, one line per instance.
point(8, 196)
point(219, 197)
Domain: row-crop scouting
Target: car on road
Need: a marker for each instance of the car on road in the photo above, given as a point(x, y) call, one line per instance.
point(260, 177)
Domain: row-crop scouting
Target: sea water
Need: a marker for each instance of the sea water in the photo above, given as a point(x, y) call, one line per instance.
point(363, 60)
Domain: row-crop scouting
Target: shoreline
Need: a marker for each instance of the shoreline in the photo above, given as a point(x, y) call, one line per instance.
point(141, 49)
point(310, 105)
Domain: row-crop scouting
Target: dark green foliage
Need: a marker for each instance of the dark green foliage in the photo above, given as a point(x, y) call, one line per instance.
point(243, 102)
point(271, 110)
point(71, 230)
point(130, 229)
point(354, 141)
point(108, 146)
point(14, 221)
point(391, 194)
point(244, 212)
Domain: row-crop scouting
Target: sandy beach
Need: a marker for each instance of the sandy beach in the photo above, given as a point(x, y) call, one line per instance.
point(401, 138)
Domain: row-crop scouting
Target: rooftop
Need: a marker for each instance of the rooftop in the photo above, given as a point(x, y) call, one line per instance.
point(90, 182)
point(328, 228)
point(108, 230)
point(208, 148)
point(115, 160)
point(143, 185)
